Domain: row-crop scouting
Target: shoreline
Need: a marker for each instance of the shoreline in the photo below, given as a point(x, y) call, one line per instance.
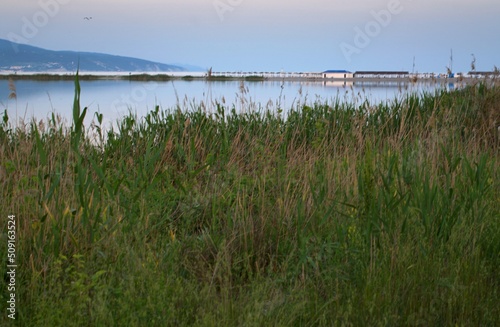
point(250, 78)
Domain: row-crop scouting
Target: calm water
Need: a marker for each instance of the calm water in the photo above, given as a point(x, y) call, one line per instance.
point(115, 99)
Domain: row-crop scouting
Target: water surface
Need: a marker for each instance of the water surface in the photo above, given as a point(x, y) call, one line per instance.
point(116, 98)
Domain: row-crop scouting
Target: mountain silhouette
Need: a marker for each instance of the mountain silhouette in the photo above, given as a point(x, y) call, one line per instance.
point(25, 58)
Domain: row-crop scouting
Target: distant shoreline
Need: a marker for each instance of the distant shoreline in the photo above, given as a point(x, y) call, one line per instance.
point(94, 76)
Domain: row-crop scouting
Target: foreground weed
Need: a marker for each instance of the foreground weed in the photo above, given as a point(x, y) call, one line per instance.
point(335, 213)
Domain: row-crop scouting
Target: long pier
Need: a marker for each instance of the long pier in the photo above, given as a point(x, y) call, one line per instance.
point(356, 77)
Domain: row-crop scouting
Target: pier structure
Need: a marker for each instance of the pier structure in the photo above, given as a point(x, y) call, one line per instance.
point(358, 76)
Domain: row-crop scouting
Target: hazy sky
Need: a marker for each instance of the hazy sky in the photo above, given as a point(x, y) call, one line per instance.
point(267, 35)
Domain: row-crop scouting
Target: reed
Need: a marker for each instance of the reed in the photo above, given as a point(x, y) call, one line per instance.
point(335, 214)
point(12, 90)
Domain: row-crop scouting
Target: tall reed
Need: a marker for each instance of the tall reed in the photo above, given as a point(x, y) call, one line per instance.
point(333, 214)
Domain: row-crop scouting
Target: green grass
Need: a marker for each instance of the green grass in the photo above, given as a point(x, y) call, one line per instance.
point(54, 77)
point(71, 77)
point(335, 214)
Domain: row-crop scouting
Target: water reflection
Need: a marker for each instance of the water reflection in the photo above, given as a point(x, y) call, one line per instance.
point(116, 98)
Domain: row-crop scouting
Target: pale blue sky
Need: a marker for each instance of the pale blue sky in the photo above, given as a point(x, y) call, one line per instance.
point(267, 35)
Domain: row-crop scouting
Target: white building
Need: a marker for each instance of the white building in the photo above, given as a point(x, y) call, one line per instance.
point(338, 74)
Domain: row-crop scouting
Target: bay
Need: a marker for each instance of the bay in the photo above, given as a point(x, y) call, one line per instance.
point(117, 98)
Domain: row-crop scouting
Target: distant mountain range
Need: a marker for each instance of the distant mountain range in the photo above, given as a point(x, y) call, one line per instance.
point(25, 58)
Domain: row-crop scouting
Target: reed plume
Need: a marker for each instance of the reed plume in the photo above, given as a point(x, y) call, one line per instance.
point(12, 89)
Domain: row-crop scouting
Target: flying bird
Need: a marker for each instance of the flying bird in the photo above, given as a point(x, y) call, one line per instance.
point(87, 18)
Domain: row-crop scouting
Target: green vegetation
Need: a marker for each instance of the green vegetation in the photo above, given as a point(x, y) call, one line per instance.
point(149, 77)
point(71, 77)
point(222, 78)
point(250, 78)
point(256, 78)
point(54, 77)
point(335, 214)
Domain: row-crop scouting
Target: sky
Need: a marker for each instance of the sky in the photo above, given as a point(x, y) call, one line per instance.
point(268, 35)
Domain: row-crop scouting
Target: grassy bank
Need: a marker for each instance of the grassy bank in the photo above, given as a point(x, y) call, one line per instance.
point(71, 77)
point(332, 215)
